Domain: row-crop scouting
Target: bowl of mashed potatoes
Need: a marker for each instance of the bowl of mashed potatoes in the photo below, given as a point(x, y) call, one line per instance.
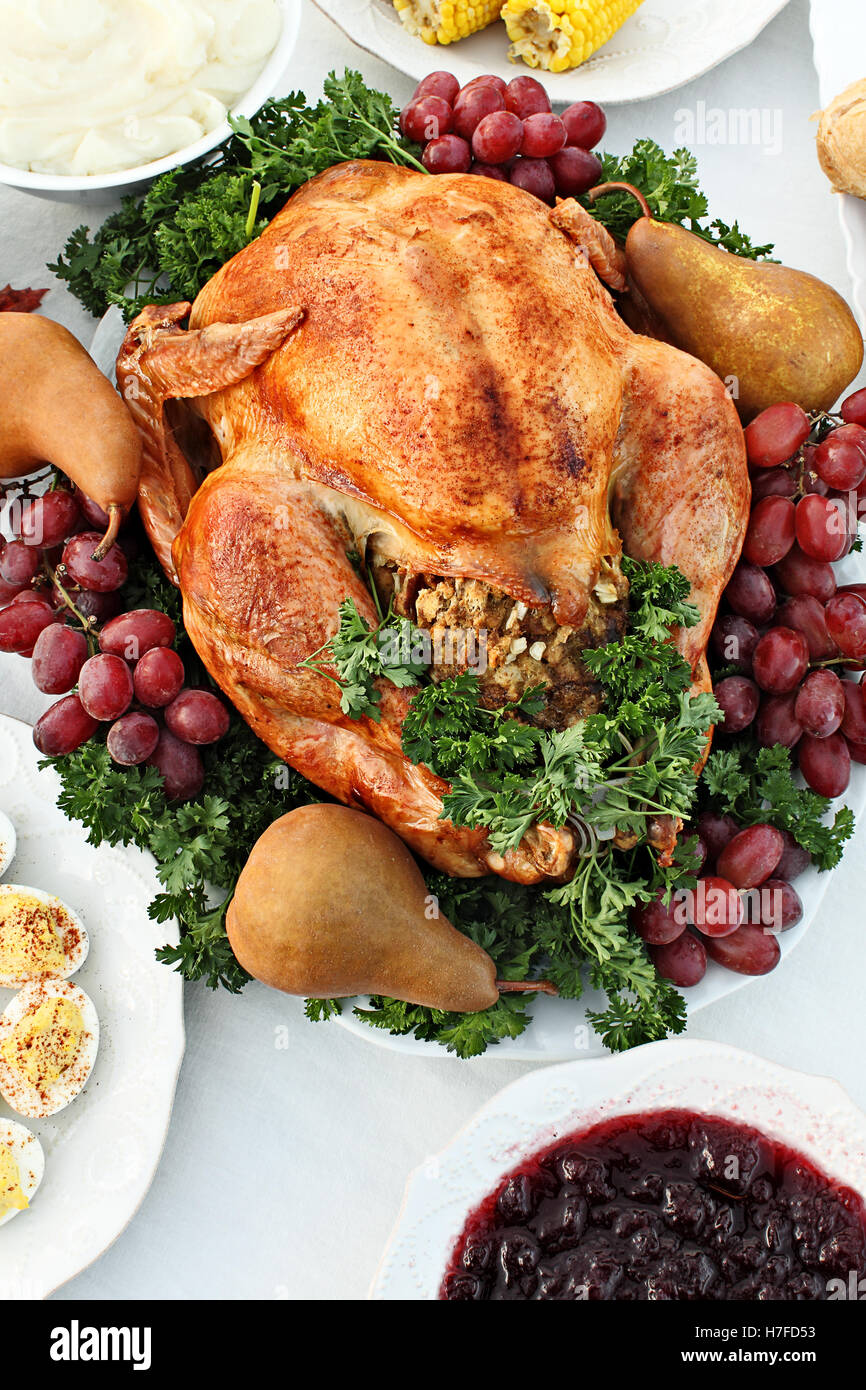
point(98, 97)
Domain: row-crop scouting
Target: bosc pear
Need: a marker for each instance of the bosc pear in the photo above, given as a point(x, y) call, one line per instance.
point(773, 334)
point(331, 903)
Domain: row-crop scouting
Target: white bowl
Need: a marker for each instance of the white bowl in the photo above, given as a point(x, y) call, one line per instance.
point(107, 188)
point(811, 1114)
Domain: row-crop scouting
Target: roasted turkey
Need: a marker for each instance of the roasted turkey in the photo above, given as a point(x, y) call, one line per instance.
point(428, 374)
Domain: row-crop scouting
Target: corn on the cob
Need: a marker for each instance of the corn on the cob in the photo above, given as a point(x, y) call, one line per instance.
point(560, 34)
point(446, 21)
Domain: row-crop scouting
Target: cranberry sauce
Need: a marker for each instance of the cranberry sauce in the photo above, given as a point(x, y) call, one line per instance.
point(666, 1205)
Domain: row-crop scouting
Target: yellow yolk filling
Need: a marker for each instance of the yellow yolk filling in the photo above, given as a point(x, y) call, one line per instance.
point(29, 942)
point(11, 1195)
point(43, 1044)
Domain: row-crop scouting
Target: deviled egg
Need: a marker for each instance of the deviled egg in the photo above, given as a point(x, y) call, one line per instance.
point(8, 842)
point(22, 1164)
point(41, 938)
point(49, 1035)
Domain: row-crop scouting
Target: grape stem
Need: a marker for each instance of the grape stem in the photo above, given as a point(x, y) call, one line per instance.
point(88, 624)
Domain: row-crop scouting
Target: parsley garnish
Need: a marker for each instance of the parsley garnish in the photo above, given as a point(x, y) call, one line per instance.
point(757, 784)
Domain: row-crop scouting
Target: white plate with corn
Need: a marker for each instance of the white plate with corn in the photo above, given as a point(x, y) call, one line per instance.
point(598, 50)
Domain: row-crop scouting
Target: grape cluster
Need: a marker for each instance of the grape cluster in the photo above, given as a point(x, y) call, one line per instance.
point(505, 131)
point(790, 638)
point(743, 899)
point(63, 609)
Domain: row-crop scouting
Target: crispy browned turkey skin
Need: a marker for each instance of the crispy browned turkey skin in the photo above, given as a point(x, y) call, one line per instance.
point(428, 372)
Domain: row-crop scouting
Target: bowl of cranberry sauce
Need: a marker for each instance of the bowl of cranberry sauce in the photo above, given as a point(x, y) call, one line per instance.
point(681, 1170)
point(663, 1205)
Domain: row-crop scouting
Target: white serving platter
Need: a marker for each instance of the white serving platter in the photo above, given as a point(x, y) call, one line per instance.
point(102, 1151)
point(811, 1114)
point(662, 46)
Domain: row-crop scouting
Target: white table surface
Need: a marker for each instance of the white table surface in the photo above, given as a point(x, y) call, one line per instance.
point(290, 1142)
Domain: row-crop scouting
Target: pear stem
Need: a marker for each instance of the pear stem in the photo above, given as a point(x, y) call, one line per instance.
point(526, 987)
point(115, 517)
point(602, 188)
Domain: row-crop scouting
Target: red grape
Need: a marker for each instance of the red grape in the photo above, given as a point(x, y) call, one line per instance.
point(683, 961)
point(854, 719)
point(798, 573)
point(820, 704)
point(751, 594)
point(447, 155)
point(8, 592)
point(825, 763)
point(807, 615)
point(105, 686)
point(543, 135)
point(427, 119)
point(716, 831)
point(781, 660)
point(63, 727)
point(776, 434)
point(773, 482)
point(856, 751)
point(771, 531)
point(795, 859)
point(58, 655)
point(197, 717)
point(21, 624)
point(497, 138)
point(472, 105)
point(179, 765)
point(657, 924)
point(810, 481)
point(777, 723)
point(132, 634)
point(751, 856)
point(100, 607)
point(820, 527)
point(574, 171)
point(526, 97)
point(853, 410)
point(132, 739)
point(438, 84)
point(739, 699)
point(749, 950)
point(101, 575)
point(585, 123)
point(92, 511)
point(535, 176)
point(487, 79)
point(19, 563)
point(715, 906)
point(846, 624)
point(734, 640)
point(840, 459)
point(158, 677)
point(781, 907)
point(47, 521)
point(490, 171)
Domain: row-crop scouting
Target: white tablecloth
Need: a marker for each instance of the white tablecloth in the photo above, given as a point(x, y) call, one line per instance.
point(284, 1168)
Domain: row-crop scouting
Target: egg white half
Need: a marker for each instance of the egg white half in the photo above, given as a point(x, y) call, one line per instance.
point(27, 1153)
point(54, 1095)
point(68, 925)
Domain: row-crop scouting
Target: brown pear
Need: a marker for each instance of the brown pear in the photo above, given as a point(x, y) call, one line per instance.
point(331, 903)
point(773, 333)
point(57, 407)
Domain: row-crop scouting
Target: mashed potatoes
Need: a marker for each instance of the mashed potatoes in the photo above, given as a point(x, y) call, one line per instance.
point(94, 86)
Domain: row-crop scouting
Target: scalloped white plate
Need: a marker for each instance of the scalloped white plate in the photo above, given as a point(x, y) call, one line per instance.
point(812, 1114)
point(102, 1151)
point(662, 46)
